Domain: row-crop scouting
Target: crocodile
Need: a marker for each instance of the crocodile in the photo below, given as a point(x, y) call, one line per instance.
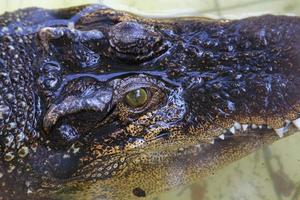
point(98, 103)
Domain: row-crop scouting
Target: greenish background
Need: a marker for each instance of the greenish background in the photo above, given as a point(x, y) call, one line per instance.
point(269, 174)
point(220, 8)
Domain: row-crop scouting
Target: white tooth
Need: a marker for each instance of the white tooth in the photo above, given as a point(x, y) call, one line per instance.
point(281, 131)
point(297, 123)
point(254, 126)
point(222, 137)
point(232, 130)
point(212, 141)
point(245, 126)
point(237, 125)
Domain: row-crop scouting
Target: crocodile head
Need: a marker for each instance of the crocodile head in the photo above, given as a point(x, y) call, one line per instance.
point(117, 95)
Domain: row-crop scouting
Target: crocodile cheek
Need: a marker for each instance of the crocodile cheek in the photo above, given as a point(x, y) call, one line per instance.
point(260, 100)
point(62, 165)
point(58, 164)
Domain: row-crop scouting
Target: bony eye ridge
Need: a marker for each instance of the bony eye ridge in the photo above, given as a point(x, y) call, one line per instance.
point(136, 98)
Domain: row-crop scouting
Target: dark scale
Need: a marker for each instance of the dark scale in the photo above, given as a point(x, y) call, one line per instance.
point(102, 103)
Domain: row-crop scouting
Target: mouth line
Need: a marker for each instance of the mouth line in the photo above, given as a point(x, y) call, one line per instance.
point(246, 130)
point(238, 130)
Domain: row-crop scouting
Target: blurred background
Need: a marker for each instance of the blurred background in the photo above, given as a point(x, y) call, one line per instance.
point(216, 8)
point(269, 174)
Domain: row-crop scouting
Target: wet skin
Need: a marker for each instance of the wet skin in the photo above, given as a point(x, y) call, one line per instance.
point(102, 104)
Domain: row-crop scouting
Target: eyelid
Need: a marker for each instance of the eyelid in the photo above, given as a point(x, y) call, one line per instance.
point(134, 86)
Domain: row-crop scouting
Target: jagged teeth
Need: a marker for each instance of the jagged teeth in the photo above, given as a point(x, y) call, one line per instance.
point(297, 123)
point(237, 125)
point(281, 131)
point(269, 127)
point(254, 126)
point(222, 137)
point(232, 130)
point(244, 127)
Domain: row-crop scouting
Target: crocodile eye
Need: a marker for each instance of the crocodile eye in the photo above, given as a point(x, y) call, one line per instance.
point(136, 98)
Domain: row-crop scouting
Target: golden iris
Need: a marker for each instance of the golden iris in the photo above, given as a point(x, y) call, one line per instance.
point(136, 98)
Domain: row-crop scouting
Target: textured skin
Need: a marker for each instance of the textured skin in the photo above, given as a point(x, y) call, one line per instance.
point(67, 132)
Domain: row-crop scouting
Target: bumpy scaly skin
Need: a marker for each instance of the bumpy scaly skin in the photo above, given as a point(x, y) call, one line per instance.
point(217, 90)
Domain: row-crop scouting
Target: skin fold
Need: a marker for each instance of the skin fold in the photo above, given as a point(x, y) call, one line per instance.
point(102, 104)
